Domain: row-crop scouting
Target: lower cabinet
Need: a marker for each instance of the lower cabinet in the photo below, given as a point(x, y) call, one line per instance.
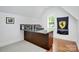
point(42, 40)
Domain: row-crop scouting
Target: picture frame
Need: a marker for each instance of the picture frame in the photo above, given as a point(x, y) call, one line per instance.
point(10, 20)
point(22, 26)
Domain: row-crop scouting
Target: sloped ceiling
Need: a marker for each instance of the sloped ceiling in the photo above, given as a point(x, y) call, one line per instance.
point(73, 10)
point(29, 11)
point(37, 11)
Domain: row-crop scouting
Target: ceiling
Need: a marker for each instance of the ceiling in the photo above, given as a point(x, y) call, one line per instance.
point(29, 11)
point(73, 10)
point(37, 11)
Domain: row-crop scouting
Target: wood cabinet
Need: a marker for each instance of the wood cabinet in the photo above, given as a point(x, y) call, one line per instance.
point(40, 39)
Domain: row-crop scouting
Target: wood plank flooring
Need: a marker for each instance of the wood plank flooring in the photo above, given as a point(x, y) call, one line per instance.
point(60, 45)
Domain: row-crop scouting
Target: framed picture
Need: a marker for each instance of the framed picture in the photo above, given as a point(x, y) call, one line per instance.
point(10, 20)
point(62, 25)
point(21, 26)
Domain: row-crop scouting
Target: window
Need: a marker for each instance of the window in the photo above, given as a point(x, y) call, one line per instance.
point(51, 22)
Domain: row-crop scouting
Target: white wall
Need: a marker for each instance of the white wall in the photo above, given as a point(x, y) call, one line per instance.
point(78, 33)
point(10, 33)
point(59, 12)
point(73, 10)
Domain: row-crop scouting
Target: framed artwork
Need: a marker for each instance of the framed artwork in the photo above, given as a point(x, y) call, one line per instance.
point(10, 20)
point(62, 25)
point(21, 26)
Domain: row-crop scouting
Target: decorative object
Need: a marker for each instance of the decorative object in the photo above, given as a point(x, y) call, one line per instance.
point(62, 25)
point(10, 20)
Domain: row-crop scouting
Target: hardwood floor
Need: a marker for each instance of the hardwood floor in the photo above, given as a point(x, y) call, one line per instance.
point(60, 45)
